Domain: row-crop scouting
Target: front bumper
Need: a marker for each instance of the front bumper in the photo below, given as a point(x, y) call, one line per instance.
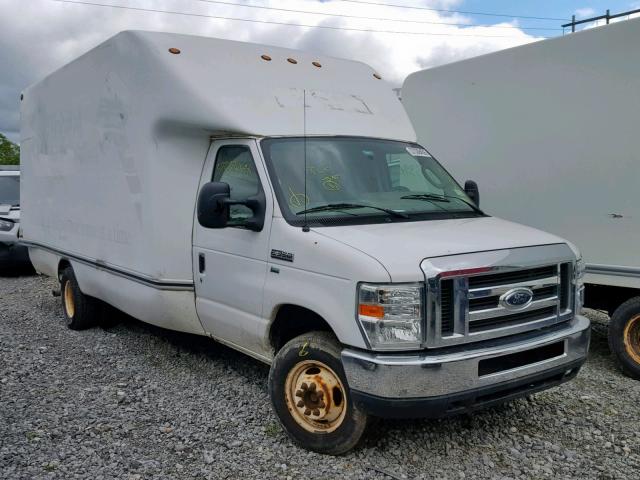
point(436, 383)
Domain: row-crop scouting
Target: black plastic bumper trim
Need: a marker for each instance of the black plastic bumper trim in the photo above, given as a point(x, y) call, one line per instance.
point(464, 402)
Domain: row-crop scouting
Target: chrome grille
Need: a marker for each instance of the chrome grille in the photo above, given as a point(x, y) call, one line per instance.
point(465, 304)
point(485, 311)
point(446, 307)
point(491, 323)
point(517, 276)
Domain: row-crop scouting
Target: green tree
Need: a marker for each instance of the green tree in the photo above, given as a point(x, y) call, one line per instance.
point(9, 152)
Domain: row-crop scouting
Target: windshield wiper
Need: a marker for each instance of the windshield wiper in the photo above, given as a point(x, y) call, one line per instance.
point(473, 206)
point(345, 206)
point(425, 196)
point(442, 198)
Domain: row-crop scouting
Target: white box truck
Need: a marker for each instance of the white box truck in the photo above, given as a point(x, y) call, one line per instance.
point(550, 132)
point(277, 201)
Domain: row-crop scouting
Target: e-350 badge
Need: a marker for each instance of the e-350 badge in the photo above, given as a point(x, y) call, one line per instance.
point(281, 255)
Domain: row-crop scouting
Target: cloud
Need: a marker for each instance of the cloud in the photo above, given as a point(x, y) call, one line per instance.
point(40, 36)
point(585, 12)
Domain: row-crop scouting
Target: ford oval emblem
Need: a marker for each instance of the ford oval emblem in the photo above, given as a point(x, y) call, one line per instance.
point(516, 298)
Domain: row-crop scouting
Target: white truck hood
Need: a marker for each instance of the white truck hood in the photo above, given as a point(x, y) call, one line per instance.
point(7, 211)
point(400, 247)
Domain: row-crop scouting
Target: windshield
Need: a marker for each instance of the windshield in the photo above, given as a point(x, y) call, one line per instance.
point(361, 180)
point(9, 190)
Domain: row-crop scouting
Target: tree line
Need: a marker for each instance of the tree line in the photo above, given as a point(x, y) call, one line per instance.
point(9, 152)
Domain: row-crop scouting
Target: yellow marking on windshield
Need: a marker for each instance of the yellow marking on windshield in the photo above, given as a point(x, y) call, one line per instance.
point(332, 183)
point(297, 199)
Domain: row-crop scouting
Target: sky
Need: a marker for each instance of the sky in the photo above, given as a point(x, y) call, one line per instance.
point(39, 36)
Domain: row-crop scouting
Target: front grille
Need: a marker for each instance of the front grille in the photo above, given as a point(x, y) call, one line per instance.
point(565, 285)
point(482, 303)
point(512, 277)
point(476, 306)
point(545, 292)
point(513, 319)
point(446, 307)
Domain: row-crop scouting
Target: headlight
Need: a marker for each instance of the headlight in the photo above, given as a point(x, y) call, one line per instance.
point(391, 315)
point(578, 280)
point(6, 225)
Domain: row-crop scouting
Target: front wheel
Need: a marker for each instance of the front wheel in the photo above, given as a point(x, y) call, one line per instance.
point(624, 336)
point(310, 396)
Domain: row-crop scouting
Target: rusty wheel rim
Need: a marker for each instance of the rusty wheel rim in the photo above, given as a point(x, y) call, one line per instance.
point(315, 397)
point(631, 338)
point(69, 305)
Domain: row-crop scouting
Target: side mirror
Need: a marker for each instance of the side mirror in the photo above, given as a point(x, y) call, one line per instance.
point(214, 203)
point(213, 209)
point(471, 189)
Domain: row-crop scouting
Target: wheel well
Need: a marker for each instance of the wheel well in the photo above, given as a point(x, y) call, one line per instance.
point(64, 263)
point(607, 297)
point(293, 320)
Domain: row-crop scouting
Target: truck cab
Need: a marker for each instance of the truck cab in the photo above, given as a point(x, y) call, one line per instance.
point(295, 219)
point(439, 308)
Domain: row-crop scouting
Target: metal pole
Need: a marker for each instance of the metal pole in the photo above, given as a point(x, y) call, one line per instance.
point(607, 16)
point(573, 23)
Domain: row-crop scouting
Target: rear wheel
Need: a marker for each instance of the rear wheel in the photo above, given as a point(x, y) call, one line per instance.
point(624, 336)
point(80, 311)
point(310, 396)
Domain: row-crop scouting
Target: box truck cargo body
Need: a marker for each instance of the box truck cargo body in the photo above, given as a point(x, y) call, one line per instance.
point(277, 201)
point(549, 131)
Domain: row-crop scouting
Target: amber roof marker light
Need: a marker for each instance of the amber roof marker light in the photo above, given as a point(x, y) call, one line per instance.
point(292, 60)
point(316, 64)
point(174, 50)
point(265, 57)
point(377, 75)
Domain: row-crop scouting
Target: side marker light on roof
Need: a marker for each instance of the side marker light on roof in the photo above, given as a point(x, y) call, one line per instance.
point(265, 57)
point(316, 64)
point(377, 75)
point(292, 60)
point(174, 50)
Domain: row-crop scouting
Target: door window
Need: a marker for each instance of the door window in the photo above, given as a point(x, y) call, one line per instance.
point(234, 165)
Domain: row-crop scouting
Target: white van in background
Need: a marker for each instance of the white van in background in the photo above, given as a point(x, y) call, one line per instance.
point(12, 254)
point(550, 131)
point(277, 201)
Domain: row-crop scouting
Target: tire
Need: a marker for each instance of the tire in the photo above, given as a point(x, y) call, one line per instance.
point(624, 337)
point(109, 316)
point(310, 395)
point(80, 311)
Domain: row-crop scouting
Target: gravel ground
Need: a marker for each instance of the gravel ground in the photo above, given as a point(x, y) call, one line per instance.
point(138, 402)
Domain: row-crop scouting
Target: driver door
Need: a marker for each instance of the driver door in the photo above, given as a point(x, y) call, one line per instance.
point(230, 264)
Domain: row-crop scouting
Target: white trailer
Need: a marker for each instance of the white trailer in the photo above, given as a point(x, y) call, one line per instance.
point(550, 132)
point(277, 202)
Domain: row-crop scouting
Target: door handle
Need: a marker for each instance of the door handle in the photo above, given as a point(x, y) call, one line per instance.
point(201, 263)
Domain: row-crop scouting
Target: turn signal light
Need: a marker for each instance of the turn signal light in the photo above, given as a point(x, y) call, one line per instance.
point(375, 311)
